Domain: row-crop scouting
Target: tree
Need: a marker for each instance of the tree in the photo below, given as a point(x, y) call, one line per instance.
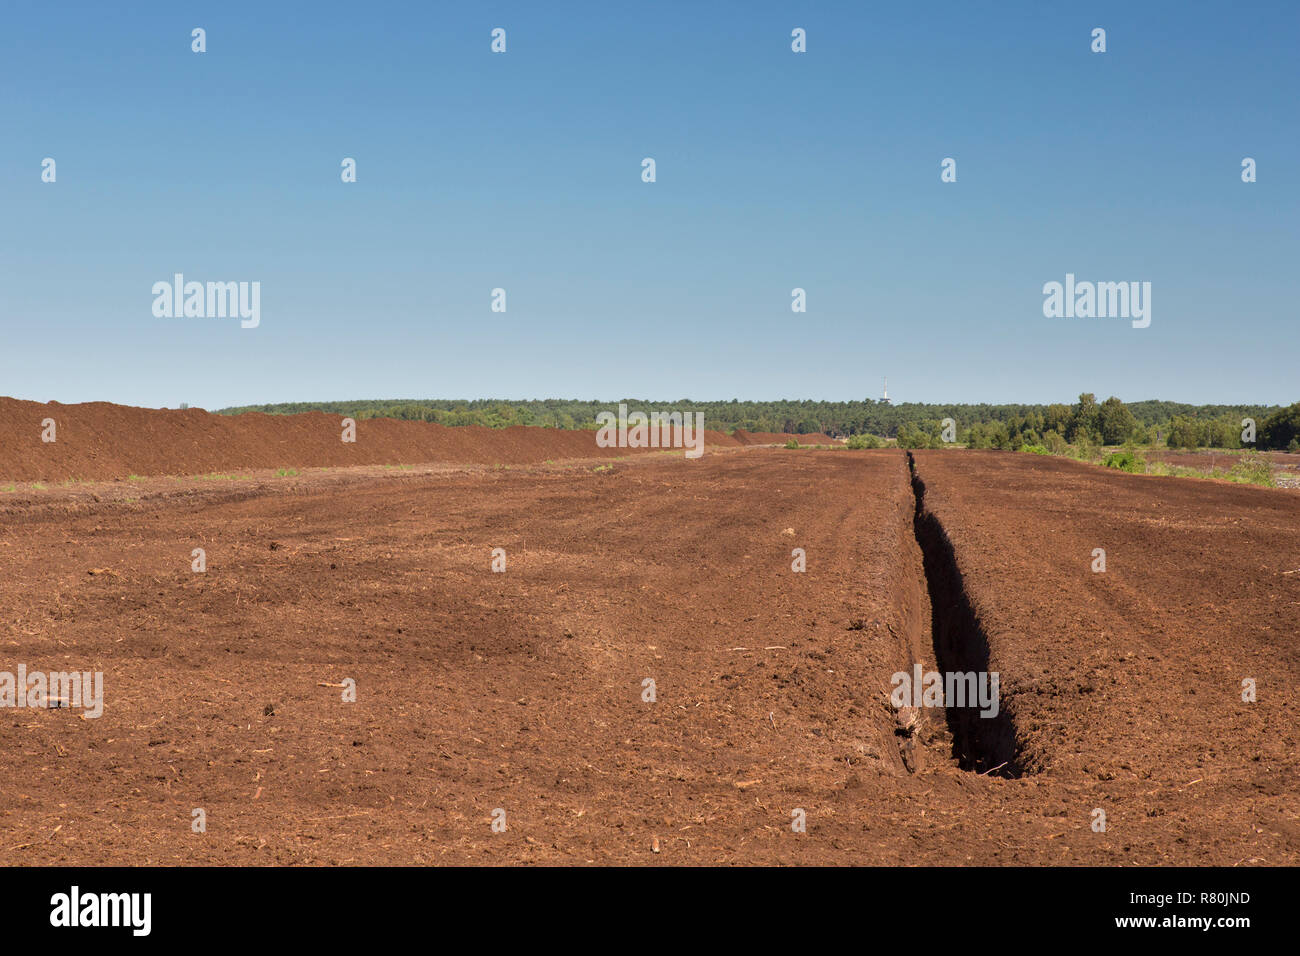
point(1084, 421)
point(1222, 433)
point(1281, 429)
point(1057, 419)
point(1116, 422)
point(1185, 433)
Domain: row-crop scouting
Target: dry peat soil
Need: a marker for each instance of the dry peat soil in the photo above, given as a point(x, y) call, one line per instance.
point(525, 691)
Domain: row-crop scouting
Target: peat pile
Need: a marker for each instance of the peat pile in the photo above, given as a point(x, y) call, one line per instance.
point(100, 440)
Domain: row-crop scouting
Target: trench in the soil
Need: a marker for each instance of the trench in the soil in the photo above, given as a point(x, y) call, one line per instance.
point(982, 744)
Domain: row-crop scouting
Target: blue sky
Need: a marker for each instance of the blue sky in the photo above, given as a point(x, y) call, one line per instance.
point(775, 170)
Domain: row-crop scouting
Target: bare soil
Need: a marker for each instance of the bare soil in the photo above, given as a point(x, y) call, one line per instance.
point(524, 691)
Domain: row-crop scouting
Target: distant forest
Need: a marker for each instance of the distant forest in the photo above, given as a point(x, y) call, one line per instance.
point(1111, 422)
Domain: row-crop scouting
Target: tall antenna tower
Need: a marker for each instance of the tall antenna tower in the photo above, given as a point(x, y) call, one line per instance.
point(884, 398)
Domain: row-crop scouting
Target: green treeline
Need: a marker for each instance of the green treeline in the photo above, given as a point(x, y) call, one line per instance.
point(914, 424)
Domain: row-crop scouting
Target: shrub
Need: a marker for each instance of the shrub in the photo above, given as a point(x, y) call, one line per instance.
point(1085, 449)
point(1126, 460)
point(792, 443)
point(1253, 469)
point(1035, 449)
point(863, 440)
point(911, 436)
point(990, 435)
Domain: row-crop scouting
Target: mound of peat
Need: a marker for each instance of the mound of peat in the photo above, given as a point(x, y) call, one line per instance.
point(99, 440)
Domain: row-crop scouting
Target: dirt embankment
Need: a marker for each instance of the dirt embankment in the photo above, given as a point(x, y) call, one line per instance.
point(99, 440)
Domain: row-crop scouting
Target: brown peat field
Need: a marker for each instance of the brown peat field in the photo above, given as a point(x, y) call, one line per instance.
point(649, 679)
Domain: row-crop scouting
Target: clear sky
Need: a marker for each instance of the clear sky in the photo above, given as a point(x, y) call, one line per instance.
point(775, 170)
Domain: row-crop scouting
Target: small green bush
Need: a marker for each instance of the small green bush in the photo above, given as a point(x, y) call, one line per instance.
point(916, 436)
point(1085, 449)
point(792, 443)
point(1253, 469)
point(1126, 460)
point(863, 441)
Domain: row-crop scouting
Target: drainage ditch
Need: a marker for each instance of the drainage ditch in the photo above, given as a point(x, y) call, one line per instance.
point(981, 744)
